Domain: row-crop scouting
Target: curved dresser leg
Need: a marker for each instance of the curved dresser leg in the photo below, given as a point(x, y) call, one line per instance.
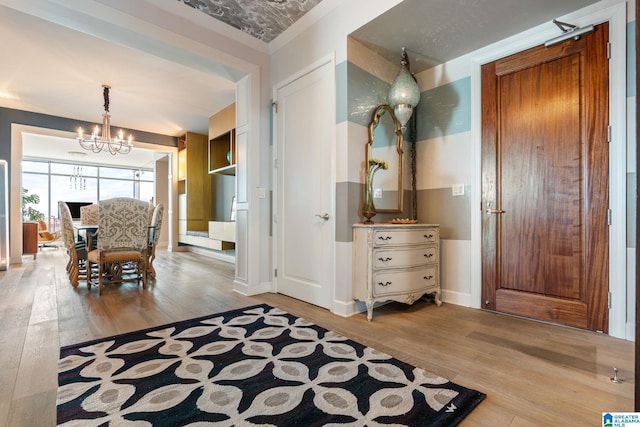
point(369, 310)
point(437, 299)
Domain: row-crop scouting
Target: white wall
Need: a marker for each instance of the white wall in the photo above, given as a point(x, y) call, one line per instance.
point(330, 35)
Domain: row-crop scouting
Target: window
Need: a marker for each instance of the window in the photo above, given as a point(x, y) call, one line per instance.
point(56, 181)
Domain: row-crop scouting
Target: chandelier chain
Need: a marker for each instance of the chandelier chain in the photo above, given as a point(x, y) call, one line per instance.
point(105, 94)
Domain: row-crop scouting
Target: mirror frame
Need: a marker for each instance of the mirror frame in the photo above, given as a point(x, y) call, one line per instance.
point(375, 118)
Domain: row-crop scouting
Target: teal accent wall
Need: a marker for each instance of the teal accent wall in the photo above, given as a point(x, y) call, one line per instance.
point(366, 92)
point(444, 110)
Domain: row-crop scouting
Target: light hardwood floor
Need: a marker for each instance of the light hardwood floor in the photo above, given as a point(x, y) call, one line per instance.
point(533, 373)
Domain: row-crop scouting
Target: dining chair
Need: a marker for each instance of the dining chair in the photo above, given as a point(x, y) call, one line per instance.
point(123, 239)
point(152, 209)
point(76, 267)
point(89, 214)
point(156, 226)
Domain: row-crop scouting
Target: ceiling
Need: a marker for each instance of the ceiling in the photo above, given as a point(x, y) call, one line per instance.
point(437, 31)
point(264, 20)
point(59, 69)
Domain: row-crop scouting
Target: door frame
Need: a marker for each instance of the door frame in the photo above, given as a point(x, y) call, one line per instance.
point(616, 16)
point(330, 61)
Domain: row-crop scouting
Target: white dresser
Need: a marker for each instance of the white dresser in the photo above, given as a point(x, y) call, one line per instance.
point(395, 262)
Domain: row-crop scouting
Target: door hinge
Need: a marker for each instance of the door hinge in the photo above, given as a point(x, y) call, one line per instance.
point(275, 273)
point(275, 163)
point(609, 134)
point(275, 218)
point(608, 50)
point(609, 300)
point(274, 104)
point(609, 215)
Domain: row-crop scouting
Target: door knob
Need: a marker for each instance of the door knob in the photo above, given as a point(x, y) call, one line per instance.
point(325, 216)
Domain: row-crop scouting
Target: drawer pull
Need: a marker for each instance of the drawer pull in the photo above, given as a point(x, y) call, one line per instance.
point(428, 236)
point(385, 259)
point(384, 237)
point(428, 255)
point(384, 284)
point(428, 277)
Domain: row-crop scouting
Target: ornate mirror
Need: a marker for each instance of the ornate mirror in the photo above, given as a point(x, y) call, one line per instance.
point(384, 161)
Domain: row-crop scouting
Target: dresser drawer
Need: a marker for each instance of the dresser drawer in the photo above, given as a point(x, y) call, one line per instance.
point(390, 282)
point(413, 257)
point(401, 237)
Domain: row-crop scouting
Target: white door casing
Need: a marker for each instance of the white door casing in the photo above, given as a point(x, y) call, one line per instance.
point(304, 223)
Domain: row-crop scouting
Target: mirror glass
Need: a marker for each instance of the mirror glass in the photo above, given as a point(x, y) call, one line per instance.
point(385, 143)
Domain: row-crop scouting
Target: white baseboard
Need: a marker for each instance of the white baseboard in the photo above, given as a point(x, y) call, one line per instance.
point(246, 290)
point(456, 298)
point(344, 309)
point(211, 254)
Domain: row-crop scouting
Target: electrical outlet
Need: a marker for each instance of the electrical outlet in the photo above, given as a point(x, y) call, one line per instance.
point(377, 193)
point(457, 190)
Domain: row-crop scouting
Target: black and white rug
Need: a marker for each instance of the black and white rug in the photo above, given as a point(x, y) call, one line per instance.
point(257, 366)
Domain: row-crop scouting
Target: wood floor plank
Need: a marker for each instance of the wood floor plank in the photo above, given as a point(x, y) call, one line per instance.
point(8, 380)
point(33, 410)
point(39, 359)
point(534, 374)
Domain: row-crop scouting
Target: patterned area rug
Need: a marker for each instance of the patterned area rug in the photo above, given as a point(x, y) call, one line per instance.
point(254, 366)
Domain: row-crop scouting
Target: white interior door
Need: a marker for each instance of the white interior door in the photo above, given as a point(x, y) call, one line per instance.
point(304, 222)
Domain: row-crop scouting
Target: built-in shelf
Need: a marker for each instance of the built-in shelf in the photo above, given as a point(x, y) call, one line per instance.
point(222, 154)
point(227, 170)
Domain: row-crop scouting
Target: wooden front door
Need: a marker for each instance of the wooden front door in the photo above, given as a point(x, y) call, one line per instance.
point(545, 183)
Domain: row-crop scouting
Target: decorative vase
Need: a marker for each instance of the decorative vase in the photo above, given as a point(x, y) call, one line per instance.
point(368, 208)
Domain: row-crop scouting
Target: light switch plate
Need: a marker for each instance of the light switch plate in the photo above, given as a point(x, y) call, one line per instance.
point(377, 193)
point(457, 190)
point(261, 193)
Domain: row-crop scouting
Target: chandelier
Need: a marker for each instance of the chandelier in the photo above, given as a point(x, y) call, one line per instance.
point(102, 141)
point(77, 181)
point(404, 93)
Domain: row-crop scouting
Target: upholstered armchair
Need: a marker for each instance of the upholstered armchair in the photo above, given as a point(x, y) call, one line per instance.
point(123, 239)
point(76, 250)
point(156, 226)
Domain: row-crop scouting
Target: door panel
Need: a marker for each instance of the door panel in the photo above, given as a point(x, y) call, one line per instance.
point(545, 183)
point(305, 235)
